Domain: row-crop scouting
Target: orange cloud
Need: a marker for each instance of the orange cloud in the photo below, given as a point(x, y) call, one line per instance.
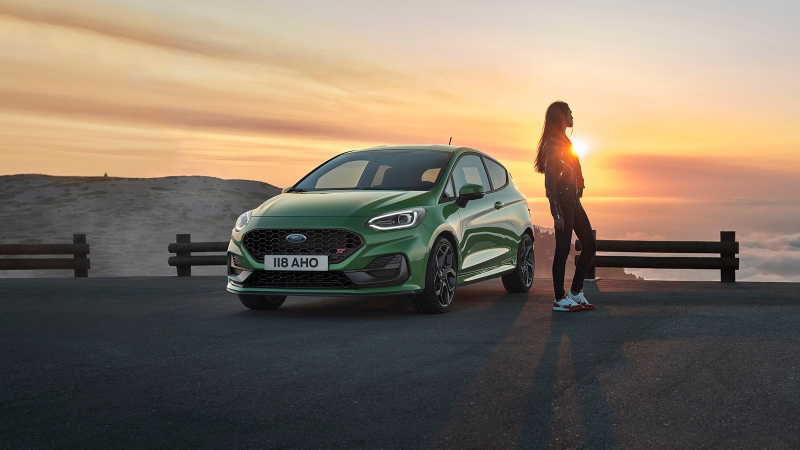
point(205, 94)
point(686, 176)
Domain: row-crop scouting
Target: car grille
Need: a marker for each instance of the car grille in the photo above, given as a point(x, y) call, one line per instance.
point(299, 280)
point(337, 244)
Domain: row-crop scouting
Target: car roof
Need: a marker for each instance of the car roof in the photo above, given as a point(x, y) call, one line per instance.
point(439, 147)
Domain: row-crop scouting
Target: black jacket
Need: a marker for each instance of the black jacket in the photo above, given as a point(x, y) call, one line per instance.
point(563, 178)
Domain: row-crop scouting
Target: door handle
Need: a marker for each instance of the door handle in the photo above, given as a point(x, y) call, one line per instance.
point(498, 205)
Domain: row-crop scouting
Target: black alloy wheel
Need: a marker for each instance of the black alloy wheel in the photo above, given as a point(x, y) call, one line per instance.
point(521, 279)
point(440, 280)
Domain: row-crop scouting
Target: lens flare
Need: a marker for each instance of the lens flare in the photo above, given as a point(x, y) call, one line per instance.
point(580, 148)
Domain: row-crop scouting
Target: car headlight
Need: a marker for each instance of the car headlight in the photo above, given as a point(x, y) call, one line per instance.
point(398, 220)
point(242, 221)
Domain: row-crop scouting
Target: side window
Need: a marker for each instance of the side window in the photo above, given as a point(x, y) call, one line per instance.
point(497, 173)
point(449, 192)
point(470, 170)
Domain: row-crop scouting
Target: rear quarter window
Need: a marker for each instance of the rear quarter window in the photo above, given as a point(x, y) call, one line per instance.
point(497, 173)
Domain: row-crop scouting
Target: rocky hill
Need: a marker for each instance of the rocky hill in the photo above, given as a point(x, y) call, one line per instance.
point(129, 222)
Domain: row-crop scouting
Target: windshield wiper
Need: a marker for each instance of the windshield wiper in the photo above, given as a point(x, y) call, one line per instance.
point(297, 189)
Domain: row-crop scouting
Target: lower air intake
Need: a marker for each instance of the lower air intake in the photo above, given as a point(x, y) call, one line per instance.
point(299, 280)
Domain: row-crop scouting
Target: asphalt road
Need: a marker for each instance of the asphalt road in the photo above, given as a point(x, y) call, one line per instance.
point(179, 363)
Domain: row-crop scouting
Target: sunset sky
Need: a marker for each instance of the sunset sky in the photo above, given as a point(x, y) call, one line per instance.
point(672, 98)
point(267, 90)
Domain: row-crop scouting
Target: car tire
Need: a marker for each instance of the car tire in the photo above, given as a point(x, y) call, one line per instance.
point(260, 302)
point(521, 279)
point(440, 280)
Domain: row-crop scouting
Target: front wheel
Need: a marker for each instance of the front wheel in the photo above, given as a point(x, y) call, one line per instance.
point(440, 280)
point(521, 279)
point(253, 301)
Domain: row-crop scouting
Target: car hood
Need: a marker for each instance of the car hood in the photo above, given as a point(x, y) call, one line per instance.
point(340, 203)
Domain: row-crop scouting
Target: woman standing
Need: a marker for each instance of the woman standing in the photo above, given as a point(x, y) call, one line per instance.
point(563, 182)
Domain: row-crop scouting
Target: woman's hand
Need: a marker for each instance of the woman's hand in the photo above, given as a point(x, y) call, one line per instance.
point(558, 224)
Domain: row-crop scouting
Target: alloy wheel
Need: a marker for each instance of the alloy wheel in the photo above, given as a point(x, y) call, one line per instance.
point(445, 278)
point(526, 262)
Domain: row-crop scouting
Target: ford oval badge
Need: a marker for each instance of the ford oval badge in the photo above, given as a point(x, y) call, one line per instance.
point(296, 238)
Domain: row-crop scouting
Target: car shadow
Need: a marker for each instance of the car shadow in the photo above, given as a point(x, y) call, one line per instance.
point(468, 298)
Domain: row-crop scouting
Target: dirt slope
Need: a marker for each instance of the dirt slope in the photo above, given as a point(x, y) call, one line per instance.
point(128, 221)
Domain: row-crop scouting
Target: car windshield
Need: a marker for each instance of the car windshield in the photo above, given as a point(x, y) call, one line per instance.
point(407, 170)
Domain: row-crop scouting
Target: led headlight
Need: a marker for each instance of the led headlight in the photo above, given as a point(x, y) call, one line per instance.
point(398, 220)
point(242, 221)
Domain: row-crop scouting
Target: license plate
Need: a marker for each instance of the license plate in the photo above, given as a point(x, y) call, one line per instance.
point(296, 262)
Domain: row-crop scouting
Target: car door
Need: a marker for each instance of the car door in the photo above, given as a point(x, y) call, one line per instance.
point(517, 215)
point(484, 234)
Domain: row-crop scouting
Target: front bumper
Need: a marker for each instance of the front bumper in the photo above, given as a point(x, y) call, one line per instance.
point(385, 271)
point(388, 263)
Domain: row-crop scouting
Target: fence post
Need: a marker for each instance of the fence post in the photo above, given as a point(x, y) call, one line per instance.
point(590, 274)
point(184, 271)
point(79, 239)
point(728, 275)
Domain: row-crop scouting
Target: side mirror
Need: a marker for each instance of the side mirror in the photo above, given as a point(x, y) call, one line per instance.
point(469, 192)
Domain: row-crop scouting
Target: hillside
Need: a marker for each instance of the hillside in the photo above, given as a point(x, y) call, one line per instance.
point(129, 222)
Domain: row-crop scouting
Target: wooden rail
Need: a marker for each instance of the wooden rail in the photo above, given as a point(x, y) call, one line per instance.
point(727, 248)
point(183, 259)
point(79, 262)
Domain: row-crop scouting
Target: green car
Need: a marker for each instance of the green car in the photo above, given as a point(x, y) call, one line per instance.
point(418, 220)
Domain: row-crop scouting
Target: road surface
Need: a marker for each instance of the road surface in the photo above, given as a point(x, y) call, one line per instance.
point(179, 363)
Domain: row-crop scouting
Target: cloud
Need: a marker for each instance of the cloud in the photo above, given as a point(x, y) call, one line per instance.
point(770, 257)
point(108, 110)
point(771, 241)
point(320, 62)
point(780, 266)
point(119, 27)
point(687, 176)
point(110, 67)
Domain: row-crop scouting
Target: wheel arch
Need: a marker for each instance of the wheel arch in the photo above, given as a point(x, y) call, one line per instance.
point(450, 236)
point(529, 231)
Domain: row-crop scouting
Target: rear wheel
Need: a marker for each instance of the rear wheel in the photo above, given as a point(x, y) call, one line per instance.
point(521, 279)
point(440, 280)
point(253, 301)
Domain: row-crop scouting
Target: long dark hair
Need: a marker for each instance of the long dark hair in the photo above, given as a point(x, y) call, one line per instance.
point(553, 121)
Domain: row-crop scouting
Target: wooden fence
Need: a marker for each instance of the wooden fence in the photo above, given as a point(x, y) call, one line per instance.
point(79, 262)
point(726, 263)
point(183, 259)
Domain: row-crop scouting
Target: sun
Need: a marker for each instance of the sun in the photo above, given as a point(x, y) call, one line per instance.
point(580, 148)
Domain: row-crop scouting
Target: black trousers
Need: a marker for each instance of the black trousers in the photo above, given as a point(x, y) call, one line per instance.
point(575, 219)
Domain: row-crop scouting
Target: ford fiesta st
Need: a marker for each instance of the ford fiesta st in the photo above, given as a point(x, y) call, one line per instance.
point(419, 220)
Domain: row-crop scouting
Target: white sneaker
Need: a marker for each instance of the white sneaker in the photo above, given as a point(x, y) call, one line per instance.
point(580, 299)
point(566, 304)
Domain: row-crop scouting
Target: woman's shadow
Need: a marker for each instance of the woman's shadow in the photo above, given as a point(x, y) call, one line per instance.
point(568, 406)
